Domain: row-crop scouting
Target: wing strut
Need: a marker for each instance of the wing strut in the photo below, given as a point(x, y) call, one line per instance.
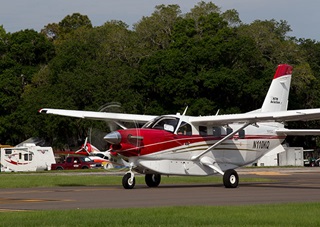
point(220, 141)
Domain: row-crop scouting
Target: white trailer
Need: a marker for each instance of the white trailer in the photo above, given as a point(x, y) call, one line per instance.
point(26, 157)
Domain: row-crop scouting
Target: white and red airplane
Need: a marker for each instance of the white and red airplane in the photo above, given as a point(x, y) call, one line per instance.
point(203, 145)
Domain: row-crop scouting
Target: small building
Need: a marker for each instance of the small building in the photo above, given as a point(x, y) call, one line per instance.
point(292, 156)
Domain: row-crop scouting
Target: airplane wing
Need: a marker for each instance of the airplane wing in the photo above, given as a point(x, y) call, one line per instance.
point(254, 117)
point(93, 115)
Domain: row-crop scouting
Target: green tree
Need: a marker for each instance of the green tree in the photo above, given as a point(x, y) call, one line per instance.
point(73, 22)
point(205, 59)
point(271, 39)
point(24, 52)
point(3, 35)
point(179, 75)
point(310, 50)
point(67, 25)
point(155, 31)
point(93, 66)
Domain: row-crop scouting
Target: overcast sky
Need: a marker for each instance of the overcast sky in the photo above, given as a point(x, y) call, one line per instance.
point(302, 15)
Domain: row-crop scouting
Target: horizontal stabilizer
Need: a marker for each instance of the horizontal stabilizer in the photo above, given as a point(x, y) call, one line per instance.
point(298, 132)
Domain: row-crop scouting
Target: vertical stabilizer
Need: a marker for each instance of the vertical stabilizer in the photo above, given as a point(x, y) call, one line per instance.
point(278, 93)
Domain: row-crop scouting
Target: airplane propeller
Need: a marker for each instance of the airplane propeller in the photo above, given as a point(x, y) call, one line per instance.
point(84, 147)
point(115, 107)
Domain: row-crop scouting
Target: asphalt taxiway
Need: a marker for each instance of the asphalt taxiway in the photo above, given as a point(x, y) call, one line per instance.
point(287, 185)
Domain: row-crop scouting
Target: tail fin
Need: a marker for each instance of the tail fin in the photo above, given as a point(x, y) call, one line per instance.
point(278, 93)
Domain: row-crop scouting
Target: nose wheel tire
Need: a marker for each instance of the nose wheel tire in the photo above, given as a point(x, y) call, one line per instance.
point(128, 182)
point(230, 179)
point(152, 180)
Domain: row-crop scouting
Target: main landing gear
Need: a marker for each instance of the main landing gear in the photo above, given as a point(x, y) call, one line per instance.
point(129, 181)
point(230, 178)
point(152, 180)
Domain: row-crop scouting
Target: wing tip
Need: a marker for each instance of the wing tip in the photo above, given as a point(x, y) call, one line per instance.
point(42, 111)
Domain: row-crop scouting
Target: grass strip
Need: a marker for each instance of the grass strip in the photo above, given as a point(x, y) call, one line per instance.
point(305, 214)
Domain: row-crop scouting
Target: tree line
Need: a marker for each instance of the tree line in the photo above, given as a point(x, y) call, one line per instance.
point(205, 59)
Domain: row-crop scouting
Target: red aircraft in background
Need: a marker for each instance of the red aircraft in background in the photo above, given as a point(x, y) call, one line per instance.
point(105, 158)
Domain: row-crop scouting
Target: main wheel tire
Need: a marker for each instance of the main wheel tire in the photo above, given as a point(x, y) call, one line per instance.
point(230, 179)
point(127, 183)
point(153, 180)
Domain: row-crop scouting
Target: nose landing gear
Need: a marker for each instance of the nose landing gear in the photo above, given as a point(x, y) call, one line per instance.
point(128, 180)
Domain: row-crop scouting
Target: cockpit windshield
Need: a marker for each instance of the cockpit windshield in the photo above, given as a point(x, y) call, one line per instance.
point(164, 123)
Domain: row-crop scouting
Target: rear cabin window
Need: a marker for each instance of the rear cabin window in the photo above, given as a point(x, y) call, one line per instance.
point(242, 134)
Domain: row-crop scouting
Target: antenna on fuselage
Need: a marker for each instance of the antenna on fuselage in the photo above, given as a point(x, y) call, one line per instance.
point(185, 111)
point(217, 112)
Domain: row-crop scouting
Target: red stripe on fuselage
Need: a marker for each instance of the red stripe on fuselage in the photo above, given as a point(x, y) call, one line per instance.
point(159, 140)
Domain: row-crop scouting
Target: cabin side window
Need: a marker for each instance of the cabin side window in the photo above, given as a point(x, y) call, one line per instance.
point(203, 130)
point(242, 134)
point(229, 130)
point(185, 129)
point(216, 131)
point(8, 151)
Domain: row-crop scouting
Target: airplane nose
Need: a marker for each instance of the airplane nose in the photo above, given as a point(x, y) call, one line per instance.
point(113, 137)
